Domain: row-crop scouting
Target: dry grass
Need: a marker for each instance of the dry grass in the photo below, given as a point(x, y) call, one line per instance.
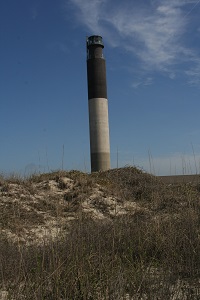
point(142, 243)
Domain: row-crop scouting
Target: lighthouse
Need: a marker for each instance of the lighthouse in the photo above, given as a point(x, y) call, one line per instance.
point(98, 105)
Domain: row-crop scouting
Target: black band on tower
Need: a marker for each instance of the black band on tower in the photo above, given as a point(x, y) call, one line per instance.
point(96, 72)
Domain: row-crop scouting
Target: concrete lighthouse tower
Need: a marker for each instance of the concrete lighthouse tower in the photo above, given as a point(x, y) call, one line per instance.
point(98, 105)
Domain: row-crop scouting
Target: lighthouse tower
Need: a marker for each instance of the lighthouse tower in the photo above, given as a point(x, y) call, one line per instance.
point(98, 105)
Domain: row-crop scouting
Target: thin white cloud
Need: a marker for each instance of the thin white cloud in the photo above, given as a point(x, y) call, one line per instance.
point(136, 84)
point(194, 75)
point(89, 12)
point(153, 33)
point(142, 81)
point(193, 7)
point(34, 12)
point(61, 46)
point(172, 75)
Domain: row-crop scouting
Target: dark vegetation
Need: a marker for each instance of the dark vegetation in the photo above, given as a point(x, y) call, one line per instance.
point(151, 253)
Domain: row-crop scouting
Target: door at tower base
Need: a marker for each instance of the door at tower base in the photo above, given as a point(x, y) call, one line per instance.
point(99, 134)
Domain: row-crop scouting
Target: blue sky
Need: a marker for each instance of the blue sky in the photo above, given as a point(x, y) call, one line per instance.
point(152, 51)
